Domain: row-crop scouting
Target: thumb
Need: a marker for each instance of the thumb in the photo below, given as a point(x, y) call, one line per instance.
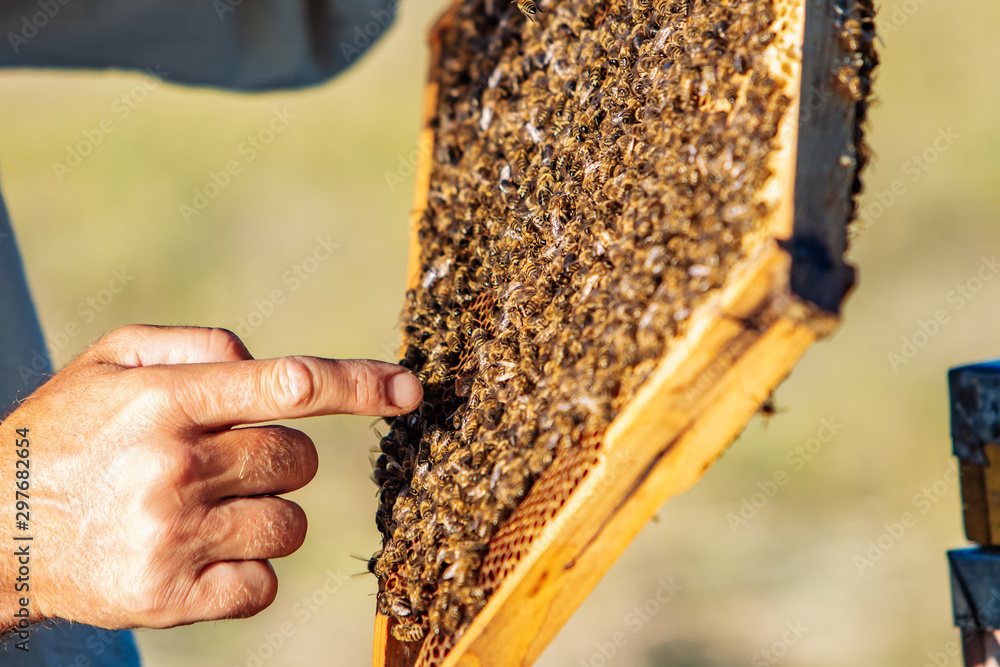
point(147, 345)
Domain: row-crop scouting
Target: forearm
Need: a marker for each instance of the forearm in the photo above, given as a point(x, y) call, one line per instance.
point(263, 44)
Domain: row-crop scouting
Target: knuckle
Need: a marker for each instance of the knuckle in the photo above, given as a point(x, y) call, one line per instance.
point(225, 343)
point(296, 382)
point(157, 397)
point(144, 605)
point(174, 467)
point(148, 530)
point(125, 337)
point(148, 589)
point(150, 604)
point(126, 333)
point(153, 389)
point(158, 531)
point(367, 388)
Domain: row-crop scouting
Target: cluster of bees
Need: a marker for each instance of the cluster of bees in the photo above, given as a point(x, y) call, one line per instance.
point(854, 76)
point(593, 178)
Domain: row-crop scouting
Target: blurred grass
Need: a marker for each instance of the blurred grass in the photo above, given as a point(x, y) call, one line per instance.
point(325, 176)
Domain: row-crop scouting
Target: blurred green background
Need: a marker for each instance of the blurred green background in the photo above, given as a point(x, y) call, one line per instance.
point(786, 581)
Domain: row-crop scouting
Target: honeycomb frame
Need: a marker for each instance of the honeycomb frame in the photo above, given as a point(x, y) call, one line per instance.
point(781, 297)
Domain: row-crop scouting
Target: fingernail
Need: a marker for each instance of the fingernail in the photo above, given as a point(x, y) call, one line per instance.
point(404, 390)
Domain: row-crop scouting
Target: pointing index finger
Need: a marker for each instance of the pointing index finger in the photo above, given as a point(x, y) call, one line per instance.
point(247, 392)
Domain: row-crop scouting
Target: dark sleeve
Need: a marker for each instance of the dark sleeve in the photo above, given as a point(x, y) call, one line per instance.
point(240, 44)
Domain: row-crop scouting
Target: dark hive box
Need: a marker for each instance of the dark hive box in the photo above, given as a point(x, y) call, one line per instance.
point(629, 226)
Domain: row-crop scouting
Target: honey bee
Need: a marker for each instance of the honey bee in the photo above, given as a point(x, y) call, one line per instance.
point(543, 116)
point(487, 521)
point(850, 82)
point(594, 76)
point(391, 554)
point(451, 341)
point(851, 34)
point(451, 618)
point(543, 188)
point(573, 171)
point(527, 7)
point(468, 322)
point(539, 460)
point(478, 338)
point(520, 162)
point(408, 632)
point(506, 184)
point(523, 188)
point(768, 409)
point(434, 616)
point(478, 452)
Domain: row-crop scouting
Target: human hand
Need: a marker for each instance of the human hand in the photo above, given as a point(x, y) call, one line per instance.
point(148, 508)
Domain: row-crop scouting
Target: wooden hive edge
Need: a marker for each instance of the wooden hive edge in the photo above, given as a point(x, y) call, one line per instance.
point(425, 163)
point(825, 162)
